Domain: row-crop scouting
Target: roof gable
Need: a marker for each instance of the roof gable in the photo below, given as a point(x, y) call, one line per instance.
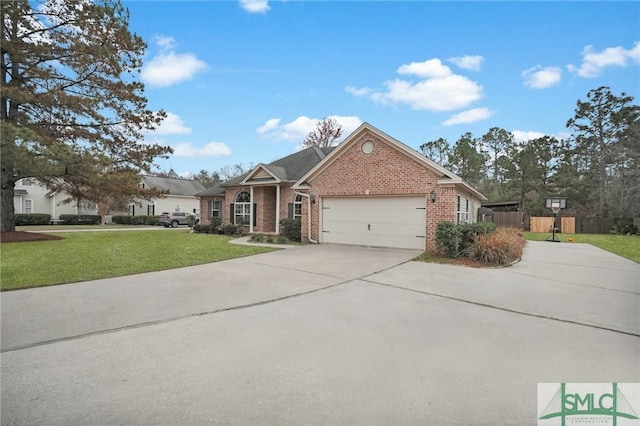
point(263, 174)
point(285, 169)
point(444, 174)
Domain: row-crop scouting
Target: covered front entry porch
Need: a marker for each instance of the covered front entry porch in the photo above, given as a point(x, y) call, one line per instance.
point(261, 203)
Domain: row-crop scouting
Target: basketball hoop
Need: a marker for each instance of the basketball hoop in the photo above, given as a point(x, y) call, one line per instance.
point(555, 204)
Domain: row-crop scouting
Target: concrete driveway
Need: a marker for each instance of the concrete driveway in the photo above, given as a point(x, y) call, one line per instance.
point(321, 335)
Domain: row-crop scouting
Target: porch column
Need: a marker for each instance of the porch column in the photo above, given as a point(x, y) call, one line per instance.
point(251, 212)
point(278, 209)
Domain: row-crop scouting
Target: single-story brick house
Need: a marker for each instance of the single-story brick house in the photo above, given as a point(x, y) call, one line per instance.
point(369, 190)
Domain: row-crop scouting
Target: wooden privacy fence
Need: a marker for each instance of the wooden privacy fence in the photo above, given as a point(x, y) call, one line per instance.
point(564, 224)
point(508, 219)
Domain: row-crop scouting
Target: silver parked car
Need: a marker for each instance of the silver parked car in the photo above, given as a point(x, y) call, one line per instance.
point(176, 219)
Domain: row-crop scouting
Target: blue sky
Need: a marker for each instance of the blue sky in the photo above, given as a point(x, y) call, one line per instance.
point(245, 81)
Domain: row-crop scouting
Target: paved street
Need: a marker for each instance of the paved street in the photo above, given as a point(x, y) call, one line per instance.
point(321, 335)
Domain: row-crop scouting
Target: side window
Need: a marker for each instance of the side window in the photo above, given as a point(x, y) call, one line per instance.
point(297, 207)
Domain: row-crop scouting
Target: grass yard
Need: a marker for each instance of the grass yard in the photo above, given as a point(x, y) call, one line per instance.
point(85, 256)
point(622, 245)
point(54, 228)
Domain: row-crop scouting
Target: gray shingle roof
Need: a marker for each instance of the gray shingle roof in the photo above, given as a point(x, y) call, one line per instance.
point(210, 192)
point(292, 167)
point(173, 186)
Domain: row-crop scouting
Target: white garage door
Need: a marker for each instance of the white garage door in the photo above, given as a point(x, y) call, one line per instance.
point(379, 221)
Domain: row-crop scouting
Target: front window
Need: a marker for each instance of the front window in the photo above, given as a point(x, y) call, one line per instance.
point(27, 182)
point(28, 206)
point(297, 207)
point(215, 208)
point(242, 214)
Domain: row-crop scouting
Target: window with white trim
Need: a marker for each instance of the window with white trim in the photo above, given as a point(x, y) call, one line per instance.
point(215, 208)
point(27, 206)
point(27, 181)
point(297, 207)
point(463, 210)
point(242, 209)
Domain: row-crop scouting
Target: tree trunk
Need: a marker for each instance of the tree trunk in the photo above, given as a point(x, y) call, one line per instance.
point(7, 212)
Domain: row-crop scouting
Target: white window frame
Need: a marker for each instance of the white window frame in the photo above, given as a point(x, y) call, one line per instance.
point(462, 215)
point(27, 181)
point(27, 205)
point(242, 209)
point(215, 206)
point(297, 207)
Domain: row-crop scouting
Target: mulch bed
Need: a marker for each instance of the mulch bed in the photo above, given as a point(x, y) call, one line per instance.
point(20, 236)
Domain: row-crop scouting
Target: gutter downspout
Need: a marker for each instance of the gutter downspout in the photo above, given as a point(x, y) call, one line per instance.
point(308, 213)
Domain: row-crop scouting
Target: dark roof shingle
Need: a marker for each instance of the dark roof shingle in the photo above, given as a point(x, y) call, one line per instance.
point(173, 186)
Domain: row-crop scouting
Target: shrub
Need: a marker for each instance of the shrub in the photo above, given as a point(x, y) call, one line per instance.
point(257, 238)
point(121, 220)
point(291, 229)
point(152, 220)
point(198, 228)
point(624, 229)
point(468, 231)
point(454, 240)
point(80, 219)
point(281, 240)
point(230, 229)
point(500, 247)
point(32, 219)
point(216, 226)
point(137, 220)
point(448, 239)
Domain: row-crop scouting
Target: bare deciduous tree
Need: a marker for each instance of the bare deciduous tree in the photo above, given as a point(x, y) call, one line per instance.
point(326, 133)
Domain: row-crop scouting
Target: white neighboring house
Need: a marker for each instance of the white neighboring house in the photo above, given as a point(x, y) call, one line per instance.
point(31, 196)
point(180, 197)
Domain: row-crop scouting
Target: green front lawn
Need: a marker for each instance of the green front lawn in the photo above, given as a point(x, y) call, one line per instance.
point(59, 227)
point(622, 245)
point(85, 256)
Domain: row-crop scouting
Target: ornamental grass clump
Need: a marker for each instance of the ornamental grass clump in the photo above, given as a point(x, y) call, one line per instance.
point(500, 247)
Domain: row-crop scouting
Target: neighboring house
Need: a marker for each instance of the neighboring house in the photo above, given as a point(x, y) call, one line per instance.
point(369, 190)
point(31, 196)
point(180, 196)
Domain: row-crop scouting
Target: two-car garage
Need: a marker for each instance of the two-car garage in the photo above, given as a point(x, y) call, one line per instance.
point(394, 221)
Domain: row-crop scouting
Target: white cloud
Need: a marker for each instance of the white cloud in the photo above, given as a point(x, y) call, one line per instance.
point(467, 62)
point(542, 78)
point(165, 42)
point(270, 125)
point(255, 6)
point(594, 62)
point(469, 116)
point(172, 125)
point(168, 67)
point(431, 68)
point(212, 149)
point(171, 68)
point(438, 94)
point(298, 129)
point(526, 135)
point(436, 88)
point(363, 91)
